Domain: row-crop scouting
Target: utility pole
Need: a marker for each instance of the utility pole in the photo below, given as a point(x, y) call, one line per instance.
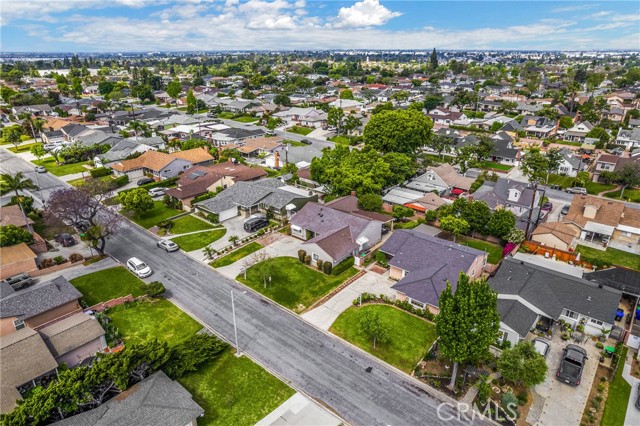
point(533, 201)
point(235, 327)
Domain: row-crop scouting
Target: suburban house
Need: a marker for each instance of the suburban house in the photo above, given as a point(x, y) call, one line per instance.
point(555, 234)
point(504, 152)
point(73, 339)
point(332, 235)
point(200, 179)
point(629, 138)
point(612, 163)
point(443, 179)
point(570, 165)
point(349, 204)
point(422, 264)
point(310, 117)
point(246, 198)
point(235, 135)
point(429, 201)
point(156, 400)
point(260, 147)
point(539, 127)
point(41, 109)
point(530, 297)
point(160, 165)
point(507, 194)
point(17, 259)
point(614, 114)
point(129, 147)
point(578, 132)
point(604, 222)
point(445, 117)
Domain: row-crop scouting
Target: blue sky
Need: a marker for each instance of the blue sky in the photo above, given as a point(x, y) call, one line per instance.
point(151, 25)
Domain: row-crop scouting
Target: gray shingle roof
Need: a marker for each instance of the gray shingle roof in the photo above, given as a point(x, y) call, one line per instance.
point(70, 333)
point(516, 315)
point(38, 299)
point(156, 400)
point(498, 194)
point(24, 357)
point(430, 261)
point(621, 279)
point(551, 291)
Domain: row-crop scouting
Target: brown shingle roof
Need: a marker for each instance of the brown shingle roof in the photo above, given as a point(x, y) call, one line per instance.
point(70, 333)
point(608, 211)
point(630, 217)
point(267, 144)
point(12, 215)
point(24, 357)
point(16, 253)
point(448, 174)
point(156, 161)
point(562, 231)
point(195, 155)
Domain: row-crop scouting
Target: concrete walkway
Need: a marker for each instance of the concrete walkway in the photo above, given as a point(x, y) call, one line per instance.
point(473, 391)
point(80, 270)
point(300, 410)
point(633, 414)
point(325, 315)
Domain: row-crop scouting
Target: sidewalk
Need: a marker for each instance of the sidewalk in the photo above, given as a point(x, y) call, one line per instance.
point(80, 270)
point(633, 414)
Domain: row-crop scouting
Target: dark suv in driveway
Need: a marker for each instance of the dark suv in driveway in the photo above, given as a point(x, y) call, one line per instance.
point(571, 365)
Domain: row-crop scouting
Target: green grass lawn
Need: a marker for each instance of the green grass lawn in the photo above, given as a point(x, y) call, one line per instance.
point(156, 319)
point(158, 213)
point(409, 337)
point(612, 256)
point(108, 284)
point(25, 147)
point(197, 241)
point(632, 195)
point(565, 182)
point(65, 169)
point(226, 115)
point(236, 255)
point(596, 187)
point(292, 283)
point(293, 143)
point(300, 130)
point(246, 119)
point(340, 139)
point(497, 166)
point(189, 224)
point(494, 250)
point(234, 391)
point(615, 409)
point(438, 158)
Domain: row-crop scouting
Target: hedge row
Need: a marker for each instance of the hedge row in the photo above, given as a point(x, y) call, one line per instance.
point(343, 266)
point(100, 172)
point(404, 305)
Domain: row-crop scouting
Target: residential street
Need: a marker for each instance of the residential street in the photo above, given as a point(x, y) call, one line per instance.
point(312, 361)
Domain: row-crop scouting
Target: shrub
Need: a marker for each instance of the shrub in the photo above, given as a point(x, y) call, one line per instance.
point(370, 202)
point(307, 260)
point(47, 263)
point(343, 266)
point(484, 389)
point(522, 398)
point(327, 267)
point(381, 258)
point(431, 215)
point(121, 181)
point(155, 289)
point(59, 260)
point(11, 235)
point(99, 172)
point(301, 255)
point(76, 257)
point(213, 217)
point(319, 263)
point(25, 201)
point(207, 195)
point(186, 357)
point(510, 404)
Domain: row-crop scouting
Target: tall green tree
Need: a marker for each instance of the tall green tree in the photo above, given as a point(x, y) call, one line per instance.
point(455, 225)
point(192, 102)
point(477, 214)
point(372, 325)
point(628, 176)
point(174, 88)
point(335, 117)
point(534, 165)
point(433, 60)
point(501, 224)
point(522, 364)
point(346, 94)
point(398, 131)
point(38, 151)
point(136, 200)
point(12, 234)
point(12, 135)
point(468, 322)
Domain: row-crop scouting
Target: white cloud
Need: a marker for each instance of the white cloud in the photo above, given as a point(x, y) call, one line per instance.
point(574, 8)
point(365, 13)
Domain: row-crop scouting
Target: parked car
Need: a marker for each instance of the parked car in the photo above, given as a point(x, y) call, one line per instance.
point(565, 209)
point(541, 346)
point(139, 268)
point(252, 225)
point(157, 192)
point(168, 245)
point(256, 215)
point(571, 365)
point(556, 187)
point(306, 141)
point(82, 226)
point(144, 181)
point(577, 190)
point(19, 281)
point(65, 239)
point(547, 206)
point(40, 169)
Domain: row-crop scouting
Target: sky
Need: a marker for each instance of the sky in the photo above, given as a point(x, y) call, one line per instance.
point(204, 25)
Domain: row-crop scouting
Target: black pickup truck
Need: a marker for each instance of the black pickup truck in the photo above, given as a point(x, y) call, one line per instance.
point(573, 360)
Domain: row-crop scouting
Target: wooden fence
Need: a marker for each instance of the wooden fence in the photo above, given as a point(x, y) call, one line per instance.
point(565, 256)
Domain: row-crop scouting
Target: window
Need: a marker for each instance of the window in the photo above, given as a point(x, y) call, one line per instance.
point(18, 324)
point(570, 314)
point(417, 304)
point(315, 256)
point(596, 322)
point(473, 273)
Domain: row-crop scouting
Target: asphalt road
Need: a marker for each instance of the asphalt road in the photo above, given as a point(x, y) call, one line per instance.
point(321, 365)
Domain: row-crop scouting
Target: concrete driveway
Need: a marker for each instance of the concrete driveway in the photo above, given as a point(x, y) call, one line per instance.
point(325, 315)
point(564, 404)
point(633, 414)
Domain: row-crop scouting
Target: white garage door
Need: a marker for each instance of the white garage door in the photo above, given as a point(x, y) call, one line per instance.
point(228, 214)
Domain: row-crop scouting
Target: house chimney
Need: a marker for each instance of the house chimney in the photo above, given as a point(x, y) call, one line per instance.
point(276, 163)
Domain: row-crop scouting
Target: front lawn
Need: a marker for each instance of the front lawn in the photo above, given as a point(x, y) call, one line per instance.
point(62, 170)
point(632, 195)
point(157, 214)
point(293, 143)
point(340, 139)
point(189, 224)
point(494, 250)
point(615, 409)
point(496, 166)
point(201, 239)
point(155, 319)
point(226, 115)
point(410, 337)
point(246, 119)
point(108, 284)
point(233, 257)
point(300, 130)
point(612, 256)
point(234, 391)
point(25, 147)
point(293, 284)
point(565, 182)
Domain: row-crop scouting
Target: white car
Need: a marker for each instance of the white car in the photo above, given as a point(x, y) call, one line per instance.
point(156, 192)
point(168, 245)
point(139, 268)
point(40, 169)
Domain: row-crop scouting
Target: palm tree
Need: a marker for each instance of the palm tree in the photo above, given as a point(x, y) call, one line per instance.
point(135, 125)
point(17, 183)
point(234, 239)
